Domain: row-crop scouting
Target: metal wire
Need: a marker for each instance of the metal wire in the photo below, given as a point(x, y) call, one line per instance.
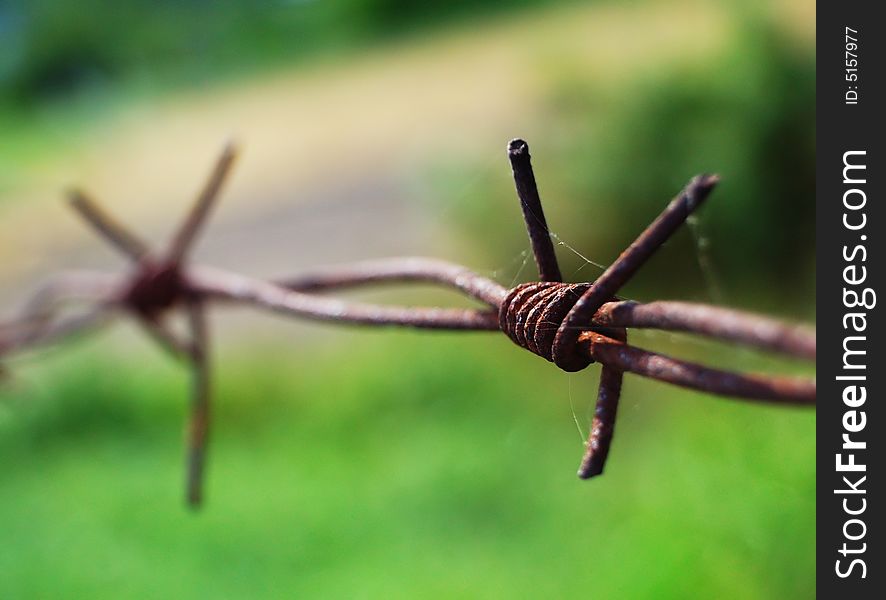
point(569, 324)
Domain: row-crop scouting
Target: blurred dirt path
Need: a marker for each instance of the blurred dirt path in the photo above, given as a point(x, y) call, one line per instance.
point(331, 150)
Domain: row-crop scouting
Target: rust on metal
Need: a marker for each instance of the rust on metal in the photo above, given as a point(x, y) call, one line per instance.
point(603, 423)
point(533, 215)
point(765, 388)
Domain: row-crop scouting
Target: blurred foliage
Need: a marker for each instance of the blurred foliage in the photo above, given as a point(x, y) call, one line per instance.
point(617, 155)
point(53, 49)
point(428, 465)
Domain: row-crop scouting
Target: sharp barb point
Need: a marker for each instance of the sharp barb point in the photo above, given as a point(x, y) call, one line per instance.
point(111, 230)
point(187, 234)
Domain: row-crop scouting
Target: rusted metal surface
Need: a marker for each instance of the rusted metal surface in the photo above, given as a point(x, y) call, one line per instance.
point(533, 215)
point(532, 312)
point(715, 322)
point(155, 288)
point(765, 388)
point(232, 287)
point(570, 324)
point(603, 423)
point(401, 270)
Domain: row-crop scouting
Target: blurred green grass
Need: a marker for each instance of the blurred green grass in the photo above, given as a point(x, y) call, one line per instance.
point(420, 465)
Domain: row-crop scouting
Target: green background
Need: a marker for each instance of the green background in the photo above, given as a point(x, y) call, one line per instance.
point(379, 464)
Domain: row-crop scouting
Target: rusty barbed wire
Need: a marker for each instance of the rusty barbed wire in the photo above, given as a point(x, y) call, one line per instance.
point(569, 324)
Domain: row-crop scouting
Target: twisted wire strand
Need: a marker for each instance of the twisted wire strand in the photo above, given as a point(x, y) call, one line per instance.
point(532, 313)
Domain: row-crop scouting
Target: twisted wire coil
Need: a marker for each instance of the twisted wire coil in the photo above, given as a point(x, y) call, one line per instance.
point(532, 313)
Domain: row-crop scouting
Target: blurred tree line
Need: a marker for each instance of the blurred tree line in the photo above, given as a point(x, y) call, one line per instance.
point(50, 49)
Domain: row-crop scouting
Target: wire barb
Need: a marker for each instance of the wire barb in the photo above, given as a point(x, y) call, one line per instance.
point(104, 224)
point(187, 234)
point(533, 215)
point(603, 424)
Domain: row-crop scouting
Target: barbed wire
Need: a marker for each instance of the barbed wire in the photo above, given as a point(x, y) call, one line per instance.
point(569, 324)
